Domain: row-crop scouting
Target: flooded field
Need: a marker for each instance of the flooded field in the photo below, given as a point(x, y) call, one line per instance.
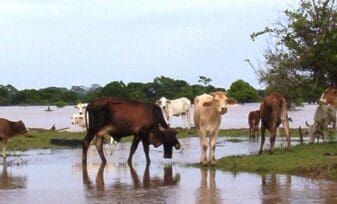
point(236, 117)
point(57, 176)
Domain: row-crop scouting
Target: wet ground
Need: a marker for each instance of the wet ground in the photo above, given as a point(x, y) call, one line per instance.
point(57, 176)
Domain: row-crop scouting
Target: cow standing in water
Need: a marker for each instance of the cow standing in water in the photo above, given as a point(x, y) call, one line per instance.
point(120, 118)
point(10, 129)
point(207, 119)
point(273, 112)
point(253, 122)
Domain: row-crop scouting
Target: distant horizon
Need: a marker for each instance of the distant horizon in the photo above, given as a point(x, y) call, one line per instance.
point(90, 85)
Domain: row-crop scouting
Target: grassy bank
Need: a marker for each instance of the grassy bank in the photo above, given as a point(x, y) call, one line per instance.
point(312, 160)
point(41, 140)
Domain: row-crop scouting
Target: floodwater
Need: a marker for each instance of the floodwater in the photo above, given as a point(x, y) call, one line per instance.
point(57, 176)
point(236, 117)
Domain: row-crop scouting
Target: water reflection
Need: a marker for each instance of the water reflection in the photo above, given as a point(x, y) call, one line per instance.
point(8, 181)
point(120, 188)
point(276, 188)
point(208, 191)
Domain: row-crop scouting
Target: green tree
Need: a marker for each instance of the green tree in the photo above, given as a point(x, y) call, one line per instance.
point(204, 80)
point(243, 92)
point(304, 56)
point(115, 88)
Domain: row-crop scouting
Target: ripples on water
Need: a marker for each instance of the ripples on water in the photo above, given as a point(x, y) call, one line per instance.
point(57, 176)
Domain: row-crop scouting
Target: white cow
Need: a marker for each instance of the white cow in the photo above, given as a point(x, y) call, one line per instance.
point(79, 117)
point(80, 120)
point(207, 119)
point(177, 107)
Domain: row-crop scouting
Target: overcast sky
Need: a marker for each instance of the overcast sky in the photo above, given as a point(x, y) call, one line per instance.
point(67, 42)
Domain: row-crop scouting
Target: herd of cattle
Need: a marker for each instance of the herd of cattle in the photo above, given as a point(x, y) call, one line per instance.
point(149, 123)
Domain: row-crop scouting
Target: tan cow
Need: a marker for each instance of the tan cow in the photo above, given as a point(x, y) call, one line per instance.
point(273, 112)
point(329, 96)
point(207, 119)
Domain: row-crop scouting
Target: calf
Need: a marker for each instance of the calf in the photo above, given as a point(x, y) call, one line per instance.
point(273, 112)
point(177, 107)
point(324, 116)
point(253, 122)
point(10, 129)
point(120, 118)
point(207, 119)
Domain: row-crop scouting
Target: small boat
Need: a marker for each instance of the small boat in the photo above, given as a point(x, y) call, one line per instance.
point(48, 109)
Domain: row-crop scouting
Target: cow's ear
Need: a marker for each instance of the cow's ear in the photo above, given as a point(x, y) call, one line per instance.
point(212, 94)
point(231, 101)
point(168, 101)
point(158, 102)
point(206, 104)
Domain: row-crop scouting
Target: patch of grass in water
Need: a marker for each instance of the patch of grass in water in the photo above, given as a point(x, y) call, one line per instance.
point(308, 160)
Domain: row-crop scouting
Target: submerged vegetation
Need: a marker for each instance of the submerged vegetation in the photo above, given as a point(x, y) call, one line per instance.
point(313, 160)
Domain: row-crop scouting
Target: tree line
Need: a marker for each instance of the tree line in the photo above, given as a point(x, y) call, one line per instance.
point(148, 92)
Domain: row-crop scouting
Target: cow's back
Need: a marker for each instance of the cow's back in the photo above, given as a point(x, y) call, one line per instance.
point(126, 116)
point(273, 109)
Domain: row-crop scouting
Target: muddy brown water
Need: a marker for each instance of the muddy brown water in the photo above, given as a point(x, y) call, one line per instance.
point(57, 176)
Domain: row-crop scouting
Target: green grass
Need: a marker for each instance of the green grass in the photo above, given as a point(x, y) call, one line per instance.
point(313, 160)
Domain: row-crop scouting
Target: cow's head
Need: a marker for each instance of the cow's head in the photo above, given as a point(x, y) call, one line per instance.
point(167, 137)
point(329, 96)
point(78, 119)
point(81, 108)
point(163, 103)
point(20, 128)
point(220, 100)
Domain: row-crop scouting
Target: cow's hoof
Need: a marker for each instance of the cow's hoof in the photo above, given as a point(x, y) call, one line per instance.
point(212, 163)
point(260, 152)
point(271, 152)
point(204, 163)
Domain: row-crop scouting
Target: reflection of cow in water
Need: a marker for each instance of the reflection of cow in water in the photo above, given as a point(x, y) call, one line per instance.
point(8, 181)
point(168, 179)
point(120, 118)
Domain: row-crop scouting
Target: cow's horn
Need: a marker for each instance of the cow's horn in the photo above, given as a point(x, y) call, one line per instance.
point(307, 124)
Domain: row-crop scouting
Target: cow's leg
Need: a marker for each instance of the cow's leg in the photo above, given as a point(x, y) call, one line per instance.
point(4, 147)
point(204, 146)
point(99, 146)
point(85, 145)
point(257, 132)
point(134, 146)
point(285, 124)
point(212, 141)
point(146, 151)
point(263, 130)
point(272, 139)
point(250, 133)
point(188, 119)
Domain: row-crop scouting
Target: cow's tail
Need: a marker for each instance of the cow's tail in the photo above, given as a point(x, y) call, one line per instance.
point(158, 114)
point(86, 118)
point(284, 109)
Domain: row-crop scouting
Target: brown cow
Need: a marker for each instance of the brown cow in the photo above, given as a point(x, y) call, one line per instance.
point(10, 129)
point(273, 112)
point(120, 118)
point(329, 96)
point(253, 122)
